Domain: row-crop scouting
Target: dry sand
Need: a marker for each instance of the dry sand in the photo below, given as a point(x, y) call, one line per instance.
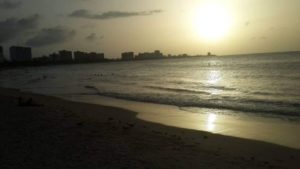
point(54, 133)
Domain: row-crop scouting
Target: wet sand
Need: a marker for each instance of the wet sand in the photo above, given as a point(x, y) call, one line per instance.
point(48, 132)
point(282, 130)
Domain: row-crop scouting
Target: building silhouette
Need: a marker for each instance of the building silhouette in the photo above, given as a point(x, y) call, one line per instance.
point(96, 57)
point(1, 55)
point(65, 56)
point(155, 55)
point(80, 56)
point(54, 57)
point(20, 54)
point(127, 56)
point(88, 57)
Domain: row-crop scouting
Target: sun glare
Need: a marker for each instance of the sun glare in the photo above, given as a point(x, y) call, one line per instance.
point(212, 22)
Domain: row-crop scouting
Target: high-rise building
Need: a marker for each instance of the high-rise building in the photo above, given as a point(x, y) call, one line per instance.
point(80, 56)
point(65, 56)
point(96, 57)
point(1, 55)
point(155, 55)
point(88, 57)
point(20, 54)
point(54, 57)
point(127, 56)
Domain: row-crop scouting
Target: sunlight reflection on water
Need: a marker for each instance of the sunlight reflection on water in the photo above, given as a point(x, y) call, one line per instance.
point(213, 78)
point(211, 122)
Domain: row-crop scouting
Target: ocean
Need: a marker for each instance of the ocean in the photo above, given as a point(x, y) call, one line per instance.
point(250, 96)
point(261, 84)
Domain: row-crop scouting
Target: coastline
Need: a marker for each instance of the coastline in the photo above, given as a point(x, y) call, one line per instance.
point(279, 130)
point(56, 133)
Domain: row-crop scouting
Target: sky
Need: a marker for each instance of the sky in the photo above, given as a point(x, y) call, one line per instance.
point(172, 26)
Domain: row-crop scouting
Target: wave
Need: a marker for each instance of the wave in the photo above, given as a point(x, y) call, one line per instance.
point(178, 90)
point(221, 88)
point(91, 87)
point(272, 94)
point(229, 103)
point(192, 91)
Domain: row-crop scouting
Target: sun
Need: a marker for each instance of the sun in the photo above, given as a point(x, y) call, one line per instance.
point(212, 22)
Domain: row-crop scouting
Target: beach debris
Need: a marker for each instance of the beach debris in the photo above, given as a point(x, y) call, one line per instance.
point(128, 126)
point(98, 74)
point(89, 87)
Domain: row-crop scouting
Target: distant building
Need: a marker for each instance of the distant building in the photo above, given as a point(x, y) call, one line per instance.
point(54, 57)
point(158, 54)
point(65, 56)
point(1, 55)
point(80, 56)
point(210, 54)
point(20, 54)
point(41, 60)
point(155, 55)
point(96, 57)
point(127, 56)
point(88, 57)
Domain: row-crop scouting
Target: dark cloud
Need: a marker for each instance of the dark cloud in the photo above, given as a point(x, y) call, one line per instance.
point(82, 13)
point(51, 36)
point(12, 27)
point(92, 37)
point(9, 4)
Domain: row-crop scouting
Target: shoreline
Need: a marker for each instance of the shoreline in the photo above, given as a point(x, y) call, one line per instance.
point(59, 134)
point(224, 122)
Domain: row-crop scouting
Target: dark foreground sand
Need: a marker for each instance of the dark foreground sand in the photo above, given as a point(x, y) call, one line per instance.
point(53, 133)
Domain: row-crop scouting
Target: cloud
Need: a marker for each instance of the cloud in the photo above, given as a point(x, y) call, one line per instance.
point(12, 27)
point(9, 4)
point(82, 13)
point(91, 37)
point(50, 36)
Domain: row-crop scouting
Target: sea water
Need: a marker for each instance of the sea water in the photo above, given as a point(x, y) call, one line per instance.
point(264, 84)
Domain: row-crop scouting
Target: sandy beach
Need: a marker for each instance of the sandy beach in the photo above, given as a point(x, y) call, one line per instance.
point(45, 132)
